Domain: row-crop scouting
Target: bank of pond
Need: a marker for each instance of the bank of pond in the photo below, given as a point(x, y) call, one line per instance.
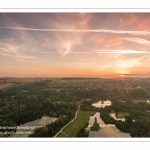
point(28, 128)
point(131, 119)
point(106, 130)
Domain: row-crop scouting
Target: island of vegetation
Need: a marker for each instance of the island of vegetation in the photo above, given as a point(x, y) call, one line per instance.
point(95, 126)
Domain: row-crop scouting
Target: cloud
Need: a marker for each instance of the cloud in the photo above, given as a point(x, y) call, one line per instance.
point(135, 21)
point(11, 50)
point(66, 51)
point(127, 63)
point(122, 64)
point(143, 33)
point(121, 51)
point(132, 61)
point(65, 48)
point(67, 40)
point(65, 43)
point(137, 40)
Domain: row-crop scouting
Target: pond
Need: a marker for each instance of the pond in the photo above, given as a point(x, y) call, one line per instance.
point(105, 130)
point(29, 127)
point(102, 103)
point(40, 122)
point(114, 116)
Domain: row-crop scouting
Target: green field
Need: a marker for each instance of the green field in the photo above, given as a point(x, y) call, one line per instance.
point(83, 117)
point(123, 114)
point(61, 135)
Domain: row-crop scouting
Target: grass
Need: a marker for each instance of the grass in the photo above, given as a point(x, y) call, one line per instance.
point(82, 117)
point(61, 135)
point(123, 114)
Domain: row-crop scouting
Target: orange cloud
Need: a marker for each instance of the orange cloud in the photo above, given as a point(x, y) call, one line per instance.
point(134, 21)
point(128, 20)
point(108, 42)
point(101, 39)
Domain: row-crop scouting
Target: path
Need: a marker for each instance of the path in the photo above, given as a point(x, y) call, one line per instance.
point(68, 123)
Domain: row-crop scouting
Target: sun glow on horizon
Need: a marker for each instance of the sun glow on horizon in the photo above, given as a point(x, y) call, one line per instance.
point(122, 71)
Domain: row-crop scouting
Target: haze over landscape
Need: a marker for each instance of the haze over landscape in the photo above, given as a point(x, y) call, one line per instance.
point(74, 44)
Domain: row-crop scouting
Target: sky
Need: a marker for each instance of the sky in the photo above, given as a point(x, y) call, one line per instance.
point(74, 44)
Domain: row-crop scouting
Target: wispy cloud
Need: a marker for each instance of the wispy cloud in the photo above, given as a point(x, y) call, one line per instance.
point(121, 51)
point(137, 40)
point(143, 33)
point(12, 51)
point(66, 43)
point(102, 51)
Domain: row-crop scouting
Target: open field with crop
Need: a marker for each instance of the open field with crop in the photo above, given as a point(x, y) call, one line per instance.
point(58, 80)
point(31, 79)
point(1, 80)
point(19, 80)
point(5, 85)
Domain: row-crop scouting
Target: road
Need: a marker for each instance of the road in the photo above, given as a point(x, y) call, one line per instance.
point(68, 123)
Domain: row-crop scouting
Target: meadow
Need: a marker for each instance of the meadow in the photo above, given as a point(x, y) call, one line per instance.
point(72, 129)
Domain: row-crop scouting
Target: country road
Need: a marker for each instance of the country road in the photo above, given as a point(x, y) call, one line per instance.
point(68, 123)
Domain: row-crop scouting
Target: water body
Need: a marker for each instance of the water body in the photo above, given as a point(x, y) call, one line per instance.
point(29, 127)
point(108, 131)
point(40, 122)
point(114, 116)
point(102, 103)
point(105, 130)
point(106, 103)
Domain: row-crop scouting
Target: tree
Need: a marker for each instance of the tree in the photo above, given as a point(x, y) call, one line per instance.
point(128, 119)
